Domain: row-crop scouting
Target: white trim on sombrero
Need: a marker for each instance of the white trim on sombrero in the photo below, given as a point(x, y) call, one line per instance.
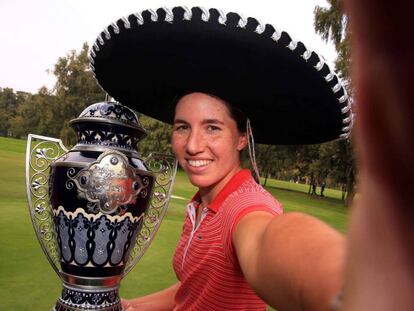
point(261, 27)
point(187, 14)
point(276, 36)
point(127, 24)
point(95, 46)
point(329, 77)
point(169, 15)
point(140, 19)
point(115, 27)
point(348, 120)
point(154, 15)
point(321, 63)
point(292, 45)
point(205, 16)
point(100, 40)
point(223, 17)
point(242, 21)
point(107, 34)
point(306, 55)
point(91, 55)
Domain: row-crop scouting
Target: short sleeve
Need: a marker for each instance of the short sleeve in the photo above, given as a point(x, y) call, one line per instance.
point(239, 206)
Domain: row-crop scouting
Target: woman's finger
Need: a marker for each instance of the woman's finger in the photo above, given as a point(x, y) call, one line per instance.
point(125, 303)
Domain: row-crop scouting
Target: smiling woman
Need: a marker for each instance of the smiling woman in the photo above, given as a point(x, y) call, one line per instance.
point(236, 250)
point(232, 245)
point(207, 142)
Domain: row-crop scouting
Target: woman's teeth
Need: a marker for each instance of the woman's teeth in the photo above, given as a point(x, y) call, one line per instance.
point(198, 163)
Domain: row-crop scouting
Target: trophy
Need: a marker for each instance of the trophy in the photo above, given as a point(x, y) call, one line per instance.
point(96, 208)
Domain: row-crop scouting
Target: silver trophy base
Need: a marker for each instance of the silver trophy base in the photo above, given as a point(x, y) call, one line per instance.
point(88, 298)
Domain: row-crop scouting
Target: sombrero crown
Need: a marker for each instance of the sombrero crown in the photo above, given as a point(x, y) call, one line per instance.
point(150, 59)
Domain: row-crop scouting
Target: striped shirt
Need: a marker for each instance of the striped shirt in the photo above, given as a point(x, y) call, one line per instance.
point(205, 261)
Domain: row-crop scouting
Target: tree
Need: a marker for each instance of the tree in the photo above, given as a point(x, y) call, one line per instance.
point(75, 89)
point(8, 106)
point(288, 162)
point(158, 136)
point(37, 114)
point(49, 112)
point(332, 24)
point(268, 159)
point(336, 161)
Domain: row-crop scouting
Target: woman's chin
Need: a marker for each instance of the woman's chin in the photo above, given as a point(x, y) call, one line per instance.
point(199, 181)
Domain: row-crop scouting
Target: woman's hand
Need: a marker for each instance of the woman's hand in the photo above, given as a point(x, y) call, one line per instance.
point(128, 306)
point(137, 305)
point(160, 301)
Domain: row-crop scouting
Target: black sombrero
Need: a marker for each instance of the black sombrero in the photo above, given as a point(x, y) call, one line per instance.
point(150, 59)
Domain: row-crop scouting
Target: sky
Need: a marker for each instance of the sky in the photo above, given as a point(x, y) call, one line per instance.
point(34, 34)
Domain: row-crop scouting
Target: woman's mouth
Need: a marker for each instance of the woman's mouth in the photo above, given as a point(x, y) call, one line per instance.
point(199, 163)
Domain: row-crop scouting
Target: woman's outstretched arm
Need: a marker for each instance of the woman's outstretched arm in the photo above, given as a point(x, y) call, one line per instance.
point(380, 254)
point(293, 262)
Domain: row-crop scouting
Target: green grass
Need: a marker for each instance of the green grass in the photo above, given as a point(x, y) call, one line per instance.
point(286, 185)
point(27, 281)
point(332, 211)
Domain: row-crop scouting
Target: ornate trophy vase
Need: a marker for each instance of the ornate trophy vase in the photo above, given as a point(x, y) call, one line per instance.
point(96, 207)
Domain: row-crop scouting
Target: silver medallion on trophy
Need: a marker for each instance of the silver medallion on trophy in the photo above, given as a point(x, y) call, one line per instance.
point(96, 208)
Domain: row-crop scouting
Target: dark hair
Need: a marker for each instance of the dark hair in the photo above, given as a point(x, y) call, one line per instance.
point(236, 114)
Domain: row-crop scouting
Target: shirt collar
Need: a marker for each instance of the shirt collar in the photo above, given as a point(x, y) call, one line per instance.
point(231, 186)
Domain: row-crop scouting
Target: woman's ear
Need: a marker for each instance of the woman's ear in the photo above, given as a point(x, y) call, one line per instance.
point(242, 142)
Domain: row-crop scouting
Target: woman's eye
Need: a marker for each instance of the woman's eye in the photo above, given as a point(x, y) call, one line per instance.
point(179, 128)
point(212, 128)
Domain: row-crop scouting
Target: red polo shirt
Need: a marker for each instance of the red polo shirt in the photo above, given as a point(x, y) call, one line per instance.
point(205, 261)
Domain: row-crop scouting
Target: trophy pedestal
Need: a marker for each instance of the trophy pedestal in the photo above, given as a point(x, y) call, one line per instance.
point(88, 298)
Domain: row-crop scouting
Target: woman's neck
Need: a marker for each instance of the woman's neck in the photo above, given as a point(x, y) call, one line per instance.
point(208, 194)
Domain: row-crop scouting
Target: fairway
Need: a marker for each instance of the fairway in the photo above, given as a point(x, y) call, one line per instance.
point(27, 281)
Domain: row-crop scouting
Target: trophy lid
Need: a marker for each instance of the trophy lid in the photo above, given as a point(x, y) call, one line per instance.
point(111, 113)
point(108, 124)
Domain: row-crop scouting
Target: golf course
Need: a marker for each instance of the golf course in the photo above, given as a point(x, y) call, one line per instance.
point(27, 281)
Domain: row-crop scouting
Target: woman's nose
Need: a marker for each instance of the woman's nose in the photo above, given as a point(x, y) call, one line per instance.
point(195, 142)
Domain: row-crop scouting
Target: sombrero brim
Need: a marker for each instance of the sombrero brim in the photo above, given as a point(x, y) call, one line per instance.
point(148, 60)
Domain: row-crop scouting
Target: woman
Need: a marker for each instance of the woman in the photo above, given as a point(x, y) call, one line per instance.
point(293, 261)
point(223, 258)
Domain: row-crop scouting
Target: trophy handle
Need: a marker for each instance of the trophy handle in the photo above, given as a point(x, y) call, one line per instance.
point(41, 151)
point(164, 167)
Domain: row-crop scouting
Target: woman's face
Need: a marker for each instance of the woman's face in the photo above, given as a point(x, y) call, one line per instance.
point(206, 141)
